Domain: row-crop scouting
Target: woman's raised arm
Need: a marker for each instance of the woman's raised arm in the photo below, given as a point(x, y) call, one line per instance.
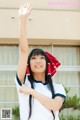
point(24, 12)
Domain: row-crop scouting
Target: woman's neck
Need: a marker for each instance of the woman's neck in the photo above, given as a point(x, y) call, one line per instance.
point(39, 77)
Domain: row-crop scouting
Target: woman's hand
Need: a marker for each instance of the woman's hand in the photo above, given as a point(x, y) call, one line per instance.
point(24, 89)
point(25, 10)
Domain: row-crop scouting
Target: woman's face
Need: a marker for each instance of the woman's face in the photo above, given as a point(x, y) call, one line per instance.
point(38, 64)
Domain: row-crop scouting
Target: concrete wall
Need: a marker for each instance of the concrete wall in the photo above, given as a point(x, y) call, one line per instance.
point(47, 21)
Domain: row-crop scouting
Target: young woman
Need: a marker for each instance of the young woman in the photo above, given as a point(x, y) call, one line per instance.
point(39, 97)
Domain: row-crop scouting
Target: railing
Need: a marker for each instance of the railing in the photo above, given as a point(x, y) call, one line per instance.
point(61, 68)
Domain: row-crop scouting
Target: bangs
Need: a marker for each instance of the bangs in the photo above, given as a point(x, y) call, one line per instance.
point(38, 52)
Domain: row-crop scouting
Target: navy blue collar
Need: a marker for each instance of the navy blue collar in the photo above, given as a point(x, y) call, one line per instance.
point(38, 81)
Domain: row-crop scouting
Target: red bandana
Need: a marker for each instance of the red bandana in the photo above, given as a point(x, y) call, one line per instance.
point(27, 70)
point(52, 65)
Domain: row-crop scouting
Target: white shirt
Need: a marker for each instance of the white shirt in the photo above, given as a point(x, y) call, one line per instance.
point(39, 112)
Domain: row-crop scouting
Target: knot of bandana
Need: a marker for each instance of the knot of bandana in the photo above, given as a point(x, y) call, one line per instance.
point(53, 64)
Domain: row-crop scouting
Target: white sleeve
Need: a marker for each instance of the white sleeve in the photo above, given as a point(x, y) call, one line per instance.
point(59, 91)
point(19, 84)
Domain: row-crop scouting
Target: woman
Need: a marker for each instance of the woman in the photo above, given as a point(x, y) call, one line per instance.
point(39, 97)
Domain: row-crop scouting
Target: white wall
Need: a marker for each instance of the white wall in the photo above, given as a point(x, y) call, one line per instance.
point(47, 22)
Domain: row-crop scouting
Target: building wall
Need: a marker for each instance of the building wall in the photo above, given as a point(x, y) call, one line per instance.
point(55, 28)
point(45, 22)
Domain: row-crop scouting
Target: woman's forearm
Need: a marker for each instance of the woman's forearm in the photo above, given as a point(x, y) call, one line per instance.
point(23, 43)
point(52, 104)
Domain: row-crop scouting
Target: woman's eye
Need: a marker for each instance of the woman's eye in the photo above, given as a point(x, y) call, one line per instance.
point(33, 58)
point(42, 57)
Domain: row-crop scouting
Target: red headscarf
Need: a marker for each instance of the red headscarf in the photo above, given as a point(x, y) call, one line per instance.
point(52, 65)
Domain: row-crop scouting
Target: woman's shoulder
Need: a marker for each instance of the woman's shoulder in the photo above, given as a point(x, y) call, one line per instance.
point(59, 88)
point(58, 85)
point(25, 81)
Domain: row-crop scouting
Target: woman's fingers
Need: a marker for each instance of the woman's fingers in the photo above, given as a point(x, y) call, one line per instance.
point(25, 9)
point(27, 5)
point(23, 89)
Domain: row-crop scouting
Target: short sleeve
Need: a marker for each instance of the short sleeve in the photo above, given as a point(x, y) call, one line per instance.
point(59, 91)
point(19, 84)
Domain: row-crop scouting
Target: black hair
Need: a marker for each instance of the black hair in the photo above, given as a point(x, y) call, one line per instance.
point(48, 79)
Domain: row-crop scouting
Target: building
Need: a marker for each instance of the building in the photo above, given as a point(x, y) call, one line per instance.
point(53, 26)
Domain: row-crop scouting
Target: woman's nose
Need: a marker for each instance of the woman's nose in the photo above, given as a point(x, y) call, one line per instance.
point(38, 60)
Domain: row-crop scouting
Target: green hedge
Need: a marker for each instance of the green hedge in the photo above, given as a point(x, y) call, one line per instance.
point(70, 117)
